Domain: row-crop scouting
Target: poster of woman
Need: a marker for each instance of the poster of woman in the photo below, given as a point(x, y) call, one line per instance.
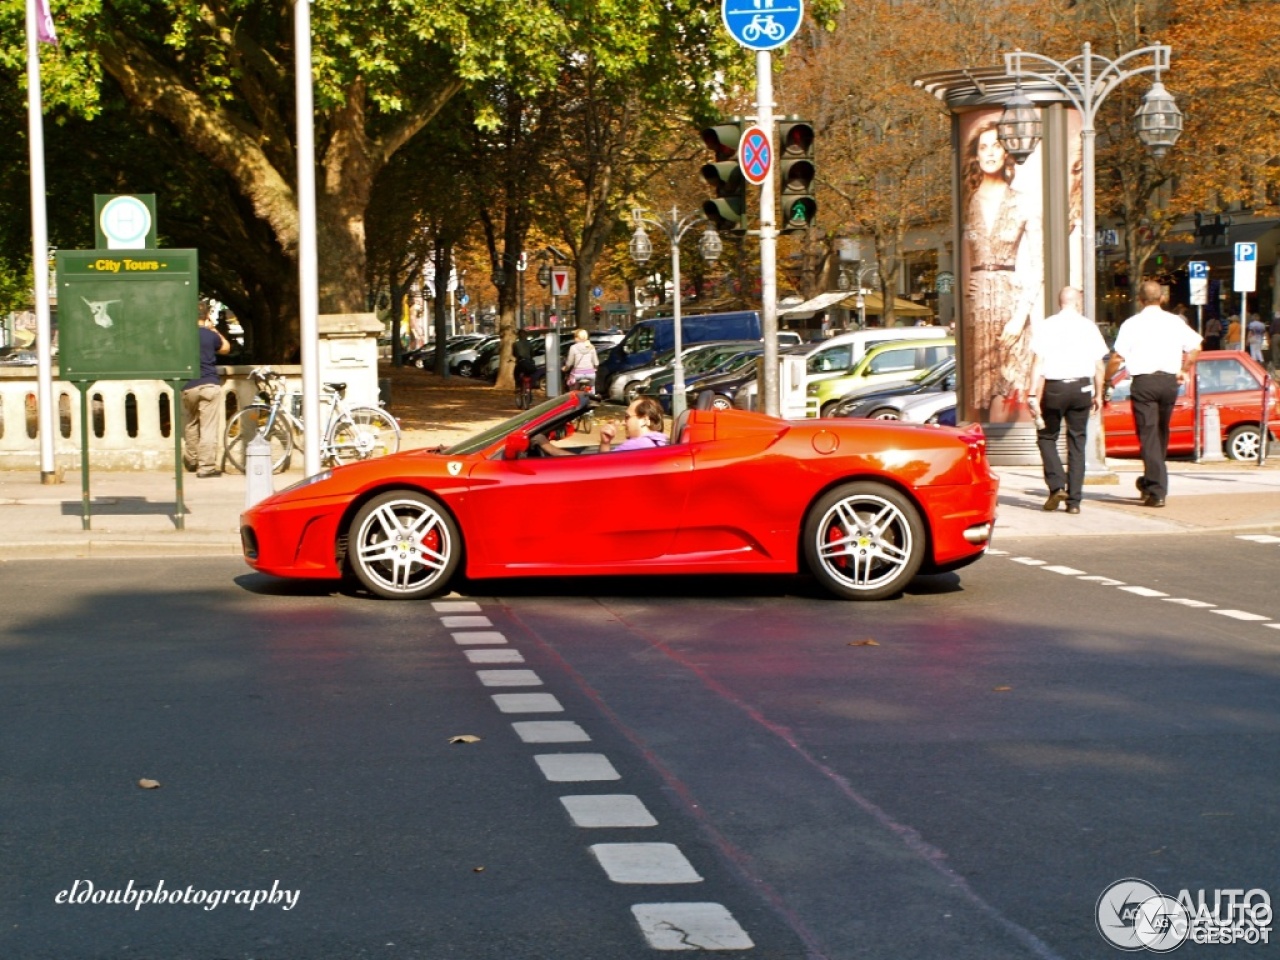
point(1002, 270)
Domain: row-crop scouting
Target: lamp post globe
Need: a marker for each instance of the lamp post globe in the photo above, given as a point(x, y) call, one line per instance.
point(1019, 127)
point(1158, 120)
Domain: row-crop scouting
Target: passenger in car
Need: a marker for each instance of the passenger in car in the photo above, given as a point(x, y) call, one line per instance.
point(643, 426)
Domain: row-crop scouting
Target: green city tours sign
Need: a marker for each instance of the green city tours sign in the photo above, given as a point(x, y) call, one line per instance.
point(128, 315)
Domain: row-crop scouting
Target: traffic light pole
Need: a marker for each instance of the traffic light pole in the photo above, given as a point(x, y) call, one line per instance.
point(768, 240)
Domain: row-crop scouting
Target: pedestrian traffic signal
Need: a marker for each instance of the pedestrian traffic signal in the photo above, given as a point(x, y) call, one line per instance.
point(729, 210)
point(795, 152)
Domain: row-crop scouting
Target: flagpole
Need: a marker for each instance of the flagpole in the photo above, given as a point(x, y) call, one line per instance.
point(40, 254)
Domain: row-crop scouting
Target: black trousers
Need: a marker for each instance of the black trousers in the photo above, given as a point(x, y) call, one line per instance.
point(1067, 400)
point(1152, 398)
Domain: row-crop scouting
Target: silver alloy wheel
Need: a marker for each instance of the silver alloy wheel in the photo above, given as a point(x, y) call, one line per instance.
point(720, 402)
point(864, 541)
point(403, 545)
point(885, 413)
point(1243, 443)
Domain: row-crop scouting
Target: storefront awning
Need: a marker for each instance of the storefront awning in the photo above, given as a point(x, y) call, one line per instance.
point(874, 305)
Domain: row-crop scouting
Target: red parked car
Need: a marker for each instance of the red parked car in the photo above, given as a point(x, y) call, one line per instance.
point(1231, 380)
point(863, 505)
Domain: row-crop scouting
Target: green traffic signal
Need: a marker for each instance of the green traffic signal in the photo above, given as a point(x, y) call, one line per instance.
point(798, 173)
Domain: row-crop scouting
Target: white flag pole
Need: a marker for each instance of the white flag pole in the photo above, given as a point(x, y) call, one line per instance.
point(40, 254)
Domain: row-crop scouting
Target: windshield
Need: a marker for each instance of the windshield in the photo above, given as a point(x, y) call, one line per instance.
point(491, 436)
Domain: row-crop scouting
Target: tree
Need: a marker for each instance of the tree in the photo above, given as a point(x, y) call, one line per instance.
point(215, 80)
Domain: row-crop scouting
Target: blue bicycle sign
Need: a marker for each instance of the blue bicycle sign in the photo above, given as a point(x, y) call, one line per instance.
point(762, 24)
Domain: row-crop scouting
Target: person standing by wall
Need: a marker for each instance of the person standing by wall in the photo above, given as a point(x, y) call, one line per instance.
point(1160, 352)
point(1066, 376)
point(200, 399)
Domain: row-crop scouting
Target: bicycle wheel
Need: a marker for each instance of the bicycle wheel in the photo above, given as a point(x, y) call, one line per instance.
point(364, 433)
point(246, 425)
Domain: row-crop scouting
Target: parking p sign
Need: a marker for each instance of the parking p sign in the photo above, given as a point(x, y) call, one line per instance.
point(1198, 280)
point(1246, 276)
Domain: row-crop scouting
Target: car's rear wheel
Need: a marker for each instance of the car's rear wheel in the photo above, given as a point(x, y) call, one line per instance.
point(721, 402)
point(829, 409)
point(864, 541)
point(403, 546)
point(464, 368)
point(1243, 441)
point(884, 413)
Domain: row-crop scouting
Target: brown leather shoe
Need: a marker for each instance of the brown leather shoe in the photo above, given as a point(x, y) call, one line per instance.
point(1151, 500)
point(1056, 499)
point(1073, 508)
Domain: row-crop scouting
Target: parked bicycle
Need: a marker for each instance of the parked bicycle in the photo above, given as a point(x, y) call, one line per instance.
point(350, 434)
point(524, 390)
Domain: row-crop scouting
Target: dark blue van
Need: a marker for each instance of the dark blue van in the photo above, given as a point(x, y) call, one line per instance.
point(648, 338)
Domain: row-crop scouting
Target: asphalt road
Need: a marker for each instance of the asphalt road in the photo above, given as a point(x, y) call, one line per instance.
point(959, 773)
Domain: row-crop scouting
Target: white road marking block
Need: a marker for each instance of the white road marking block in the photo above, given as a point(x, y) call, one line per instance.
point(1197, 604)
point(1143, 592)
point(479, 636)
point(645, 863)
point(457, 623)
point(690, 926)
point(1104, 581)
point(527, 703)
point(1272, 625)
point(1029, 561)
point(1259, 538)
point(455, 606)
point(1241, 615)
point(500, 655)
point(576, 767)
point(608, 810)
point(996, 553)
point(509, 678)
point(550, 731)
point(1065, 571)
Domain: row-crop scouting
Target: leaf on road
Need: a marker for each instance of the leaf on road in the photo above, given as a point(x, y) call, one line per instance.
point(1001, 689)
point(863, 643)
point(465, 738)
point(146, 784)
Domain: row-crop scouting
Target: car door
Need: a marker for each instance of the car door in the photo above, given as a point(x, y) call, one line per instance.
point(603, 510)
point(1233, 387)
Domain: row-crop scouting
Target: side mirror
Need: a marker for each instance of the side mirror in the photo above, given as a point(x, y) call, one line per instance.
point(516, 445)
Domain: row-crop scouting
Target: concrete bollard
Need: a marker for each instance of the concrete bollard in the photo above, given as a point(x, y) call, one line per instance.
point(259, 483)
point(1211, 434)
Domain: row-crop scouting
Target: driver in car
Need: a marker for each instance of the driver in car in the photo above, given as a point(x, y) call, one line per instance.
point(643, 425)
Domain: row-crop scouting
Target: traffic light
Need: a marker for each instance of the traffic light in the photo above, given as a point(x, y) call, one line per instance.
point(729, 210)
point(797, 170)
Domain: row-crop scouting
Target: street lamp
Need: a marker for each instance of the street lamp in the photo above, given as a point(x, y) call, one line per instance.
point(1086, 81)
point(641, 249)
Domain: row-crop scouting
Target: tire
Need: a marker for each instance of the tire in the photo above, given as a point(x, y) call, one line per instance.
point(631, 392)
point(246, 425)
point(464, 368)
point(884, 413)
point(1243, 442)
point(829, 408)
point(721, 402)
point(864, 541)
point(402, 545)
point(368, 432)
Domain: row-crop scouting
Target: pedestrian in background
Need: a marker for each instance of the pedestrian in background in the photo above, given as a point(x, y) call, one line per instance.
point(1213, 334)
point(1066, 384)
point(200, 398)
point(1255, 334)
point(1160, 353)
point(1233, 333)
point(1275, 341)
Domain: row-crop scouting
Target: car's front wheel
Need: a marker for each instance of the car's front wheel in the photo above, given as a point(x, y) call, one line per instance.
point(1243, 441)
point(864, 541)
point(721, 402)
point(404, 546)
point(884, 413)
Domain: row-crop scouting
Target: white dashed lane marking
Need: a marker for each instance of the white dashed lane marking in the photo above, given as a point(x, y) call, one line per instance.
point(608, 810)
point(1259, 538)
point(645, 863)
point(1065, 571)
point(1197, 604)
point(458, 623)
point(527, 703)
point(665, 926)
point(1240, 615)
point(690, 926)
point(494, 656)
point(1029, 561)
point(479, 636)
point(1104, 581)
point(509, 678)
point(1143, 592)
point(550, 731)
point(576, 767)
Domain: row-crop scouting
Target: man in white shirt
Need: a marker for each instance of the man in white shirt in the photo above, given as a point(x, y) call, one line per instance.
point(1160, 351)
point(1066, 377)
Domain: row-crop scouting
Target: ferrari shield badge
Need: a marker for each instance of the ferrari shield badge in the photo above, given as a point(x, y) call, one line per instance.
point(454, 467)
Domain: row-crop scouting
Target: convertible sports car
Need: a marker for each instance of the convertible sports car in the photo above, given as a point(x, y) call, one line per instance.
point(863, 505)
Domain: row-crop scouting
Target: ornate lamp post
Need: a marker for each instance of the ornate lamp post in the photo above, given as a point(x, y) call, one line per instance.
point(1086, 81)
point(641, 249)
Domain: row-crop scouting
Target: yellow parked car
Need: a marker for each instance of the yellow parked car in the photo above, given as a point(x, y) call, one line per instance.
point(899, 360)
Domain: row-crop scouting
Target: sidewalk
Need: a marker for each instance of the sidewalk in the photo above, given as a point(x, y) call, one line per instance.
point(133, 513)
